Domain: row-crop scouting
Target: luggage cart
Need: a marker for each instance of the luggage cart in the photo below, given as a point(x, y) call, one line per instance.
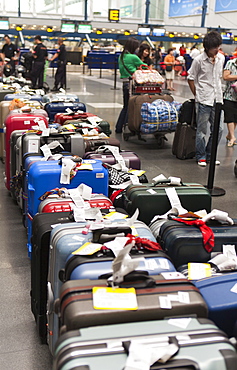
point(151, 89)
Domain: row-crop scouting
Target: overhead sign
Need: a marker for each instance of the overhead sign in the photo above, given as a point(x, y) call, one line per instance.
point(180, 8)
point(113, 15)
point(225, 5)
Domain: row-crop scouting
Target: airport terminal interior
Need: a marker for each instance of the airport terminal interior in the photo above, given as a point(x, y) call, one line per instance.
point(20, 347)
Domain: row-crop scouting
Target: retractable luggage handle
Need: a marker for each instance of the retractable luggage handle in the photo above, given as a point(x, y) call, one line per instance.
point(137, 279)
point(125, 229)
point(175, 181)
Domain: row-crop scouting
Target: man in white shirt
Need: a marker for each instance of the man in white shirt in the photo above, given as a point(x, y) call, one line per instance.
point(194, 52)
point(204, 79)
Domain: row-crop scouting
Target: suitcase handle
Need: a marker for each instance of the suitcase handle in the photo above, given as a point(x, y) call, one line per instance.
point(125, 229)
point(165, 181)
point(135, 279)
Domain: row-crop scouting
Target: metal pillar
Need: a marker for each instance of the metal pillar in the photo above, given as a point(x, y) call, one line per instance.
point(204, 12)
point(19, 8)
point(147, 11)
point(86, 10)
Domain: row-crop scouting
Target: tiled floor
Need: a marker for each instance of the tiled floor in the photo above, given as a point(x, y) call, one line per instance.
point(19, 345)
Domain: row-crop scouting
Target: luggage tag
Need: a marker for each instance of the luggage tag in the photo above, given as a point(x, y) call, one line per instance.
point(218, 215)
point(159, 178)
point(79, 214)
point(76, 198)
point(46, 152)
point(69, 111)
point(67, 166)
point(94, 120)
point(115, 216)
point(224, 262)
point(54, 144)
point(85, 191)
point(229, 251)
point(87, 249)
point(174, 200)
point(197, 271)
point(137, 173)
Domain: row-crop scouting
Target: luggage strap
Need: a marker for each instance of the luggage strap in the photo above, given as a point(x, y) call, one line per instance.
point(207, 233)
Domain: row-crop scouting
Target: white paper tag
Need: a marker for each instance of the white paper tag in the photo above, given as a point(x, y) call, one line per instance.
point(26, 122)
point(54, 144)
point(165, 303)
point(85, 191)
point(77, 199)
point(46, 151)
point(150, 264)
point(173, 297)
point(67, 166)
point(94, 120)
point(164, 264)
point(234, 288)
point(174, 200)
point(79, 214)
point(175, 181)
point(159, 178)
point(45, 132)
point(111, 299)
point(93, 214)
point(117, 244)
point(229, 251)
point(184, 297)
point(87, 249)
point(172, 275)
point(182, 323)
point(33, 145)
point(42, 125)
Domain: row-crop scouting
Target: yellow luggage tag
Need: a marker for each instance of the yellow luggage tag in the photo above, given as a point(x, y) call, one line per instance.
point(198, 271)
point(114, 298)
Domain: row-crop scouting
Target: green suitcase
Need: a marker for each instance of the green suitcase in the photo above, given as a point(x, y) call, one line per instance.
point(151, 199)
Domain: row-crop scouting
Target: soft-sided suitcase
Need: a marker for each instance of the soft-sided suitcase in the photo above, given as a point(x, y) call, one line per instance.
point(134, 108)
point(69, 142)
point(18, 121)
point(92, 144)
point(90, 122)
point(184, 146)
point(61, 118)
point(60, 97)
point(23, 97)
point(219, 292)
point(184, 243)
point(67, 238)
point(130, 158)
point(151, 200)
point(202, 346)
point(76, 310)
point(60, 107)
point(45, 175)
point(65, 203)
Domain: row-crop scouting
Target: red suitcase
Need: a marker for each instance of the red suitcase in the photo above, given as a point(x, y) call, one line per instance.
point(55, 203)
point(63, 117)
point(18, 121)
point(131, 159)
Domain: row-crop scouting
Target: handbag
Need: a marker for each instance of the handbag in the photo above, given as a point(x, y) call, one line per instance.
point(143, 76)
point(168, 68)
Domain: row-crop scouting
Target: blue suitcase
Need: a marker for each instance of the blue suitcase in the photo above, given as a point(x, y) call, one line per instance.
point(64, 240)
point(201, 346)
point(60, 97)
point(61, 107)
point(45, 175)
point(23, 97)
point(220, 294)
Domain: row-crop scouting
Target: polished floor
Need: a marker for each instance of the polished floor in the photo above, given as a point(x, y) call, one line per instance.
point(20, 347)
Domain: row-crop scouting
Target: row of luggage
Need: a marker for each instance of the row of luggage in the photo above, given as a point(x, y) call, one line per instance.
point(80, 261)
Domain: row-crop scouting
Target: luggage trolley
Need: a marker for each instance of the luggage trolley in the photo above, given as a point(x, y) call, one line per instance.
point(151, 89)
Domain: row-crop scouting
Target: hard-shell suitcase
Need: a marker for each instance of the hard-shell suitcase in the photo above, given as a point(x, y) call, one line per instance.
point(151, 200)
point(60, 107)
point(92, 144)
point(69, 142)
point(184, 146)
point(15, 164)
point(201, 345)
point(60, 97)
point(23, 97)
point(219, 292)
point(102, 126)
point(65, 203)
point(130, 158)
point(184, 243)
point(18, 121)
point(134, 108)
point(63, 117)
point(66, 239)
point(76, 310)
point(45, 175)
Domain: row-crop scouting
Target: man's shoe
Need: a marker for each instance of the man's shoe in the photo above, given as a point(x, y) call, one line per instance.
point(54, 89)
point(202, 163)
point(217, 163)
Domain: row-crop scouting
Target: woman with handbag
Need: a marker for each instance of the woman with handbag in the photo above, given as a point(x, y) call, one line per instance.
point(230, 100)
point(169, 69)
point(128, 63)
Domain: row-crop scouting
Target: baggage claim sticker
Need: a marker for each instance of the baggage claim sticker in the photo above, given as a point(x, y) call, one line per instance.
point(114, 298)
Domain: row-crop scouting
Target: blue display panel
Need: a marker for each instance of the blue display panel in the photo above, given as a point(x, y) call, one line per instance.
point(225, 5)
point(180, 8)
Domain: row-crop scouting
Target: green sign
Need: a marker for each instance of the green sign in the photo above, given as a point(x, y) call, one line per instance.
point(125, 11)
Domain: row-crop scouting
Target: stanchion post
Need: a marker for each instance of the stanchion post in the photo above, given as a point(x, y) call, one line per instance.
point(100, 67)
point(215, 191)
point(115, 74)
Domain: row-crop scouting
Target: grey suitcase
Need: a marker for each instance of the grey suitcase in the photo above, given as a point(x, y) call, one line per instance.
point(202, 346)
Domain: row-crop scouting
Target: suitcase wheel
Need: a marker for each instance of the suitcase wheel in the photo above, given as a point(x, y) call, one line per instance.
point(126, 136)
point(161, 141)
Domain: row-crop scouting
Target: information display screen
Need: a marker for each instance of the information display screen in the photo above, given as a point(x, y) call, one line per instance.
point(68, 27)
point(84, 28)
point(158, 32)
point(4, 25)
point(144, 31)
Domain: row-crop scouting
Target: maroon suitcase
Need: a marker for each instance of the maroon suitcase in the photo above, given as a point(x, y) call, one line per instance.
point(92, 144)
point(131, 159)
point(61, 118)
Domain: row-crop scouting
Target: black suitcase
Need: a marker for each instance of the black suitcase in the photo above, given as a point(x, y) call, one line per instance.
point(184, 243)
point(41, 229)
point(184, 146)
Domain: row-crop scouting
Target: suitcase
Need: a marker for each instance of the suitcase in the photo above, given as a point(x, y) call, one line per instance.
point(130, 158)
point(220, 295)
point(70, 142)
point(15, 164)
point(55, 203)
point(93, 144)
point(103, 126)
point(184, 243)
point(184, 143)
point(60, 97)
point(18, 121)
point(201, 345)
point(134, 108)
point(151, 200)
point(76, 310)
point(61, 118)
point(45, 175)
point(66, 239)
point(60, 107)
point(23, 97)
